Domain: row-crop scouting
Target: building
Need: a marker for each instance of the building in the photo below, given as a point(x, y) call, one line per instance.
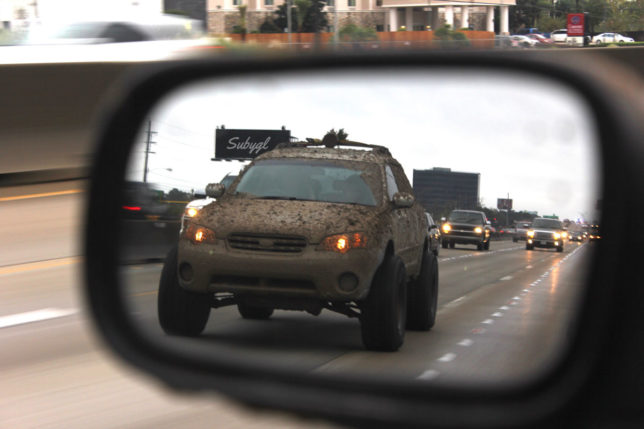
point(382, 15)
point(442, 190)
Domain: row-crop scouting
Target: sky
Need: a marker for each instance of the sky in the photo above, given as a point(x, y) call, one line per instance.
point(529, 138)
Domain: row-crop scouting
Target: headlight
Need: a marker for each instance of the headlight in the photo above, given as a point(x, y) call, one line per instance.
point(447, 228)
point(342, 243)
point(191, 211)
point(478, 230)
point(556, 235)
point(199, 234)
point(564, 234)
point(530, 234)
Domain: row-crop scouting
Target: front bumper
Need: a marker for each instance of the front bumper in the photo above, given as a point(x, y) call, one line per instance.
point(311, 273)
point(464, 237)
point(546, 244)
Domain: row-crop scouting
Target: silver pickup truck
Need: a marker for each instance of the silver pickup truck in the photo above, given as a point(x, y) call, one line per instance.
point(546, 233)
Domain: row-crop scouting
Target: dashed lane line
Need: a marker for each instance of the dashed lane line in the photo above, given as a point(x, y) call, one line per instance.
point(41, 195)
point(40, 265)
point(35, 316)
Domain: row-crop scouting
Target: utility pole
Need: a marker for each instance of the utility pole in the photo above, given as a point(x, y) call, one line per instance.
point(148, 142)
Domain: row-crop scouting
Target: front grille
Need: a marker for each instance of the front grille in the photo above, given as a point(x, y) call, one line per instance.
point(543, 236)
point(267, 243)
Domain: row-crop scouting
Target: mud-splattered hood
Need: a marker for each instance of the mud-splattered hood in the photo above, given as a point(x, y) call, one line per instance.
point(311, 219)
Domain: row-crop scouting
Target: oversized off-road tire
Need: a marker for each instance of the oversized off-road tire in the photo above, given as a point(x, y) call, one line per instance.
point(435, 251)
point(444, 243)
point(486, 246)
point(422, 296)
point(252, 312)
point(383, 314)
point(180, 312)
point(529, 246)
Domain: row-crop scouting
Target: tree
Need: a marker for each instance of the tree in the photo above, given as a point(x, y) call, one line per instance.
point(449, 38)
point(281, 20)
point(354, 33)
point(315, 18)
point(341, 135)
point(302, 7)
point(269, 26)
point(240, 28)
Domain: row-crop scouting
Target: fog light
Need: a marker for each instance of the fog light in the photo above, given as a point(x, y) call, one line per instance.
point(556, 243)
point(348, 282)
point(530, 241)
point(186, 272)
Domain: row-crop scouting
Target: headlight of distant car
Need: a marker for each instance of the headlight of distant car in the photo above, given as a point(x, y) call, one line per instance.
point(530, 233)
point(342, 243)
point(556, 235)
point(564, 234)
point(199, 234)
point(447, 228)
point(478, 230)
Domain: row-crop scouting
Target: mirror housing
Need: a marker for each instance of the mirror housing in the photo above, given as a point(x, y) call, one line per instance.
point(361, 402)
point(215, 190)
point(403, 200)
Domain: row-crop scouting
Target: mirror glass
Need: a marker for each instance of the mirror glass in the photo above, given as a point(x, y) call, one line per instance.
point(283, 268)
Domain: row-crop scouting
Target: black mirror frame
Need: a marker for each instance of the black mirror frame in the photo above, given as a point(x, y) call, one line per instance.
point(358, 401)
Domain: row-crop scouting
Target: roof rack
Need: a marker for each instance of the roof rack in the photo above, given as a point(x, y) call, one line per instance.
point(331, 141)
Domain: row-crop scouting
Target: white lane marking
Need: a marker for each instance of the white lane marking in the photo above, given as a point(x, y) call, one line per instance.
point(466, 342)
point(516, 298)
point(504, 307)
point(455, 302)
point(497, 314)
point(528, 267)
point(472, 255)
point(430, 374)
point(506, 278)
point(526, 290)
point(35, 316)
point(488, 321)
point(447, 357)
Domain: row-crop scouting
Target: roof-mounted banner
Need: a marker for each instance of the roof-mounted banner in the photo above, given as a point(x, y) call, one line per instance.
point(246, 144)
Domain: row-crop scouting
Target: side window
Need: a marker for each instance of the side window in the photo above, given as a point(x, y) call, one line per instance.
point(401, 180)
point(392, 188)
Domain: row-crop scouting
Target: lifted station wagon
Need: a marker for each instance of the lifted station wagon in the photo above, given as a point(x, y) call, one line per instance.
point(308, 226)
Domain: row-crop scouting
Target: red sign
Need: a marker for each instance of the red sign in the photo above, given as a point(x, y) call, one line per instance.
point(576, 24)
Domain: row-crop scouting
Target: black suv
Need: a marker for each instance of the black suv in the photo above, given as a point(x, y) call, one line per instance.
point(466, 227)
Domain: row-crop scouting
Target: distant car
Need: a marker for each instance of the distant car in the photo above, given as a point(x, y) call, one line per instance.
point(546, 233)
point(520, 231)
point(519, 41)
point(559, 36)
point(577, 236)
point(611, 38)
point(434, 234)
point(541, 39)
point(595, 233)
point(466, 227)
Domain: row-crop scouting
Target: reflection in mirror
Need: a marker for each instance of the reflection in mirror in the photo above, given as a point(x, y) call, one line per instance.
point(307, 261)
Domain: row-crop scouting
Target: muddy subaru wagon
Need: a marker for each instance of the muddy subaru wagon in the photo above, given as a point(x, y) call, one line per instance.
point(308, 227)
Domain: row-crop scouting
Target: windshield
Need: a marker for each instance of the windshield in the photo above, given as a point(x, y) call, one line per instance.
point(465, 217)
point(312, 180)
point(547, 223)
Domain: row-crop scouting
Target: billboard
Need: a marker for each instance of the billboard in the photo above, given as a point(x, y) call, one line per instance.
point(504, 203)
point(247, 144)
point(576, 26)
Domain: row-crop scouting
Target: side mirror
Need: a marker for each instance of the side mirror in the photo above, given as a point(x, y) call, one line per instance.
point(403, 200)
point(215, 190)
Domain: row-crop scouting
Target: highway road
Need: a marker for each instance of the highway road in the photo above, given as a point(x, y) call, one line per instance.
point(503, 316)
